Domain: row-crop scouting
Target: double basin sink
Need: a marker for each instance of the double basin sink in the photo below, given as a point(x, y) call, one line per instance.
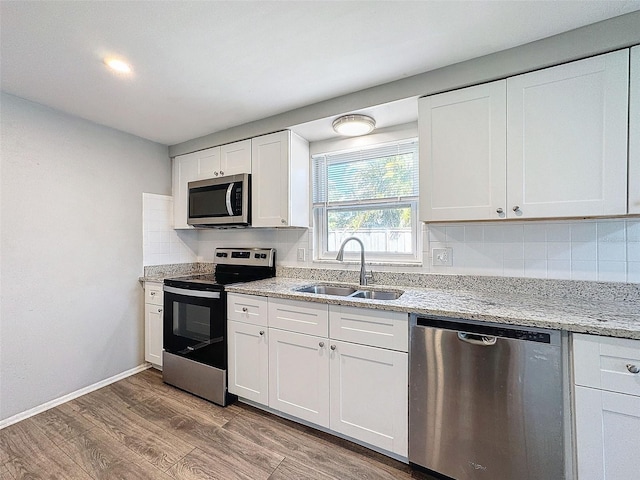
point(339, 291)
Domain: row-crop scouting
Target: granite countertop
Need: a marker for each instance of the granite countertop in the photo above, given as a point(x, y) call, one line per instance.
point(609, 317)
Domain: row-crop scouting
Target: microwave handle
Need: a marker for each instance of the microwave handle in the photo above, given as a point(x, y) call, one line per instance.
point(228, 197)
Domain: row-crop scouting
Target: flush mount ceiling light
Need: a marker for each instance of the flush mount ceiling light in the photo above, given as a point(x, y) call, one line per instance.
point(117, 65)
point(354, 125)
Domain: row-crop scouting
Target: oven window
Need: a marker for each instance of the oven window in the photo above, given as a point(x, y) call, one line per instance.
point(191, 321)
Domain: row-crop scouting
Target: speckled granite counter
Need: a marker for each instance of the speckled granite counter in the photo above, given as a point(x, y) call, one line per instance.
point(606, 311)
point(157, 273)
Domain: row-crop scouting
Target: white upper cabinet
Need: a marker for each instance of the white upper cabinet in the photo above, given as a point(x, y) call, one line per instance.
point(463, 153)
point(634, 133)
point(280, 180)
point(229, 159)
point(564, 130)
point(235, 158)
point(567, 139)
point(186, 168)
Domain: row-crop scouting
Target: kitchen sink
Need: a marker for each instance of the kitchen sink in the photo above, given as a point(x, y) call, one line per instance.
point(350, 292)
point(377, 294)
point(327, 290)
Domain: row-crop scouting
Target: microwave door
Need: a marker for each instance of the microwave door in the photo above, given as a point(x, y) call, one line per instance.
point(228, 199)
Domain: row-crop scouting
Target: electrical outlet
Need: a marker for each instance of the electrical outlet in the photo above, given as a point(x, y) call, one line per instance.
point(442, 256)
point(301, 254)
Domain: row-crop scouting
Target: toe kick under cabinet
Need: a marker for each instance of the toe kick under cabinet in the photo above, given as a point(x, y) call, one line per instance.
point(607, 407)
point(341, 368)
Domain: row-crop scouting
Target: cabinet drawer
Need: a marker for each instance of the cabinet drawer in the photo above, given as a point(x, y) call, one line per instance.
point(301, 317)
point(247, 308)
point(607, 363)
point(153, 293)
point(377, 328)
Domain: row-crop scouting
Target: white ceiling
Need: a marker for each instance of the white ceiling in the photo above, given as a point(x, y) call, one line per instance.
point(204, 66)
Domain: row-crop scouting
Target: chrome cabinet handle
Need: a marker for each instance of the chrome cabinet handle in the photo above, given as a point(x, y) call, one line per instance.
point(516, 208)
point(321, 344)
point(152, 293)
point(215, 174)
point(633, 368)
point(499, 211)
point(261, 332)
point(221, 172)
point(245, 309)
point(333, 347)
point(159, 310)
point(283, 221)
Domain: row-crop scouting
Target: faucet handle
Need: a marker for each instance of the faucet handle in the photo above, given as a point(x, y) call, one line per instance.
point(368, 276)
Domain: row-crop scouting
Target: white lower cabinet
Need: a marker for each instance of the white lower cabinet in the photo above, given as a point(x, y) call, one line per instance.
point(369, 400)
point(607, 407)
point(607, 434)
point(341, 368)
point(299, 375)
point(248, 347)
point(153, 323)
point(248, 361)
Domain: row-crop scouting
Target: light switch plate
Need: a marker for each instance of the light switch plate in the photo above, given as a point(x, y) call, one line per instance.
point(442, 257)
point(301, 254)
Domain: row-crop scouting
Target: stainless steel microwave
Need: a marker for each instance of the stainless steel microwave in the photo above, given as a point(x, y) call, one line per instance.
point(220, 201)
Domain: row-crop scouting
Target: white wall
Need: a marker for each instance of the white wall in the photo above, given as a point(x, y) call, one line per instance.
point(71, 251)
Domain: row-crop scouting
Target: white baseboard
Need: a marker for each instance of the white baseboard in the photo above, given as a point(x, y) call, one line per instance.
point(70, 396)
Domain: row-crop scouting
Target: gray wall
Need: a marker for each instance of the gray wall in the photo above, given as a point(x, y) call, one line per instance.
point(71, 251)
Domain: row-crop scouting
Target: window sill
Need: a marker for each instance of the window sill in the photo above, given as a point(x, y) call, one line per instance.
point(369, 263)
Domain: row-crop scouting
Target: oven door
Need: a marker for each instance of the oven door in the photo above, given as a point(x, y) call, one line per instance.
point(195, 325)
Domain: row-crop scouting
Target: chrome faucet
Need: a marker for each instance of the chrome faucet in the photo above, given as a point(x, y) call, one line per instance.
point(363, 276)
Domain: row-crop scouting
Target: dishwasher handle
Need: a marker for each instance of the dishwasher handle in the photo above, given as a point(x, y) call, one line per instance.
point(483, 340)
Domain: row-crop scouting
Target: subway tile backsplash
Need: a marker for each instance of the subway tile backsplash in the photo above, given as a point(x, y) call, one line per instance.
point(603, 249)
point(598, 250)
point(161, 244)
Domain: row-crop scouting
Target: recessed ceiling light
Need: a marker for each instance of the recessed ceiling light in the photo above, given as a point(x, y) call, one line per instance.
point(117, 65)
point(354, 125)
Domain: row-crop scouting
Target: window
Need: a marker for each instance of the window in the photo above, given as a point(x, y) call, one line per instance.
point(371, 193)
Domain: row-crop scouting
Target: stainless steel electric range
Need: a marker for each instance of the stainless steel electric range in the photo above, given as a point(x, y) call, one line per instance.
point(195, 321)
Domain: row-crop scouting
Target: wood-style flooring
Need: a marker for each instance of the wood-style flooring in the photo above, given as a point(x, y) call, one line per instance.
point(140, 428)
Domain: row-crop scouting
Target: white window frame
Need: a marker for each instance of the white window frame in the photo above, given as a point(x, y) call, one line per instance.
point(321, 210)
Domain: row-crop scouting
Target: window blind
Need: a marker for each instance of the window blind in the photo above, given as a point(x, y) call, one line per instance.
point(380, 172)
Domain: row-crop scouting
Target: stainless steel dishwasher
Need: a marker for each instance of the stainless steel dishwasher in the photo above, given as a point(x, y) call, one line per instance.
point(487, 401)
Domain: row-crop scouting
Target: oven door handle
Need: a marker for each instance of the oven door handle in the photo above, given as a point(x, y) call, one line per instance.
point(200, 345)
point(191, 293)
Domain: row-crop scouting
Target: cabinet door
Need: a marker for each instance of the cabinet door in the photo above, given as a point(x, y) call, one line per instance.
point(607, 434)
point(209, 165)
point(369, 395)
point(153, 334)
point(567, 139)
point(249, 361)
point(634, 133)
point(235, 158)
point(299, 375)
point(270, 180)
point(463, 153)
point(186, 168)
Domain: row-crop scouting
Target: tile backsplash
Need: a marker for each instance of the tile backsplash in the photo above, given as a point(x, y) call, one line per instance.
point(603, 249)
point(161, 244)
